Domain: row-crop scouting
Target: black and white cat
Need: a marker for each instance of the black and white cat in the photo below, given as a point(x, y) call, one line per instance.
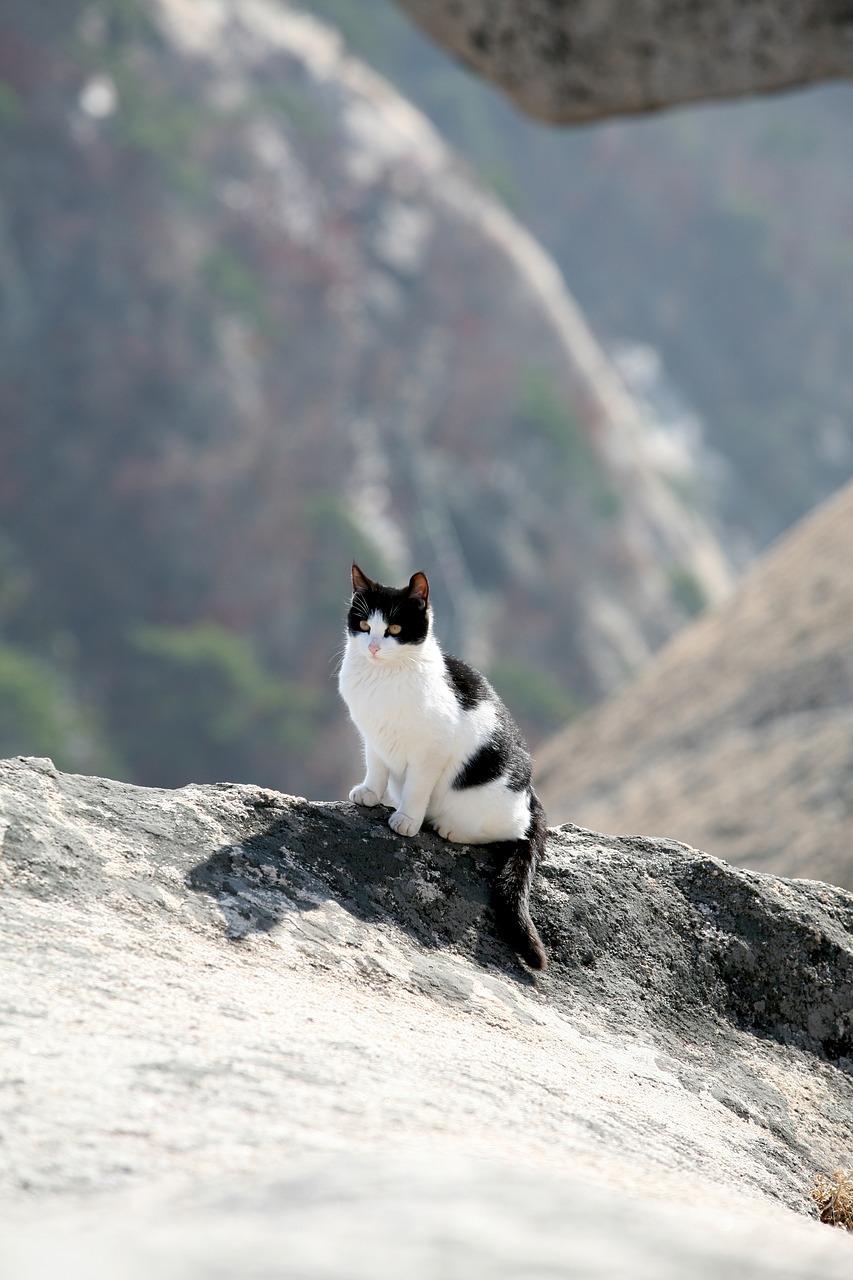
point(439, 744)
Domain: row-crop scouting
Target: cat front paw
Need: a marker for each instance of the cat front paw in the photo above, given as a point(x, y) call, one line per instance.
point(363, 795)
point(403, 824)
point(447, 834)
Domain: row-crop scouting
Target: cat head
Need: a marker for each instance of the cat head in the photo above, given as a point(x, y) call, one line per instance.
point(385, 622)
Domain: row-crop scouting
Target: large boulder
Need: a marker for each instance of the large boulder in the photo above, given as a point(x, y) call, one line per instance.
point(247, 1031)
point(585, 60)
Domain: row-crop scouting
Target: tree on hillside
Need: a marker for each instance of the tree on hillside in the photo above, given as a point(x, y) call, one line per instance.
point(573, 60)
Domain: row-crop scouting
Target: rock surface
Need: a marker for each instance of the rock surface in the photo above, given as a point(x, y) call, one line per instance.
point(739, 736)
point(584, 60)
point(244, 1031)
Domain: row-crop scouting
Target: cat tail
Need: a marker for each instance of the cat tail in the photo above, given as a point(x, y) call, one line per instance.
point(512, 890)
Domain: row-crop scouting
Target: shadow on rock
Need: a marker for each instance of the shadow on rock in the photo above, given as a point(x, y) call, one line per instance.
point(437, 892)
point(669, 941)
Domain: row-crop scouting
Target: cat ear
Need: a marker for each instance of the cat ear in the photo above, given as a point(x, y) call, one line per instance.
point(419, 587)
point(359, 581)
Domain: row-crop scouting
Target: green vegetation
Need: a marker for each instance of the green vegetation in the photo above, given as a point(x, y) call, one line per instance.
point(504, 184)
point(41, 708)
point(31, 713)
point(126, 19)
point(165, 131)
point(226, 275)
point(688, 489)
point(11, 107)
point(294, 105)
point(40, 714)
point(537, 700)
point(542, 410)
point(119, 39)
point(235, 284)
point(337, 540)
point(687, 590)
point(202, 705)
point(158, 121)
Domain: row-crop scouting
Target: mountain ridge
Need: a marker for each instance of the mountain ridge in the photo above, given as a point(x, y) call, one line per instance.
point(736, 737)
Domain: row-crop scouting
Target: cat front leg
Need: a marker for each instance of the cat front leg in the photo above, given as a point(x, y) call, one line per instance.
point(418, 786)
point(403, 824)
point(371, 791)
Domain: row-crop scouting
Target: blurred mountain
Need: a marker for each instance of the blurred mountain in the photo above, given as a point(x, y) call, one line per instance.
point(257, 319)
point(720, 236)
point(738, 738)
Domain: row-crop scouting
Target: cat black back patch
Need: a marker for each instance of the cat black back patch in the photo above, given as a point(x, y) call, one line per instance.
point(502, 755)
point(469, 686)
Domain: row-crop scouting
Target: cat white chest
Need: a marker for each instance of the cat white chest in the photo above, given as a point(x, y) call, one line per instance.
point(394, 707)
point(408, 712)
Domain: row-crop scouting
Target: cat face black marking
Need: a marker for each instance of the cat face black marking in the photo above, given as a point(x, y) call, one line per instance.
point(403, 607)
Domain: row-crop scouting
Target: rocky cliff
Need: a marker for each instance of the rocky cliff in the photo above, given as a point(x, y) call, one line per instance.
point(249, 1034)
point(738, 737)
point(257, 319)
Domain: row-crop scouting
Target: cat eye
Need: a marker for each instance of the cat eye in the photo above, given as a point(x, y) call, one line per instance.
point(365, 626)
point(394, 629)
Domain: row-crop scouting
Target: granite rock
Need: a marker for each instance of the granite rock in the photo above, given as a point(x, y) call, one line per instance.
point(246, 1032)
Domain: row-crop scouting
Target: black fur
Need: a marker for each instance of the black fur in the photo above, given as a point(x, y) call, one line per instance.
point(469, 686)
point(487, 763)
point(512, 890)
point(503, 755)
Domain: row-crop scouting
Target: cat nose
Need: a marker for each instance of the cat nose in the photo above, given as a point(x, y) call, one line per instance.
point(374, 646)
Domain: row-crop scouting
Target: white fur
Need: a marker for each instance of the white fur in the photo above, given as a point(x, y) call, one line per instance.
point(417, 738)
